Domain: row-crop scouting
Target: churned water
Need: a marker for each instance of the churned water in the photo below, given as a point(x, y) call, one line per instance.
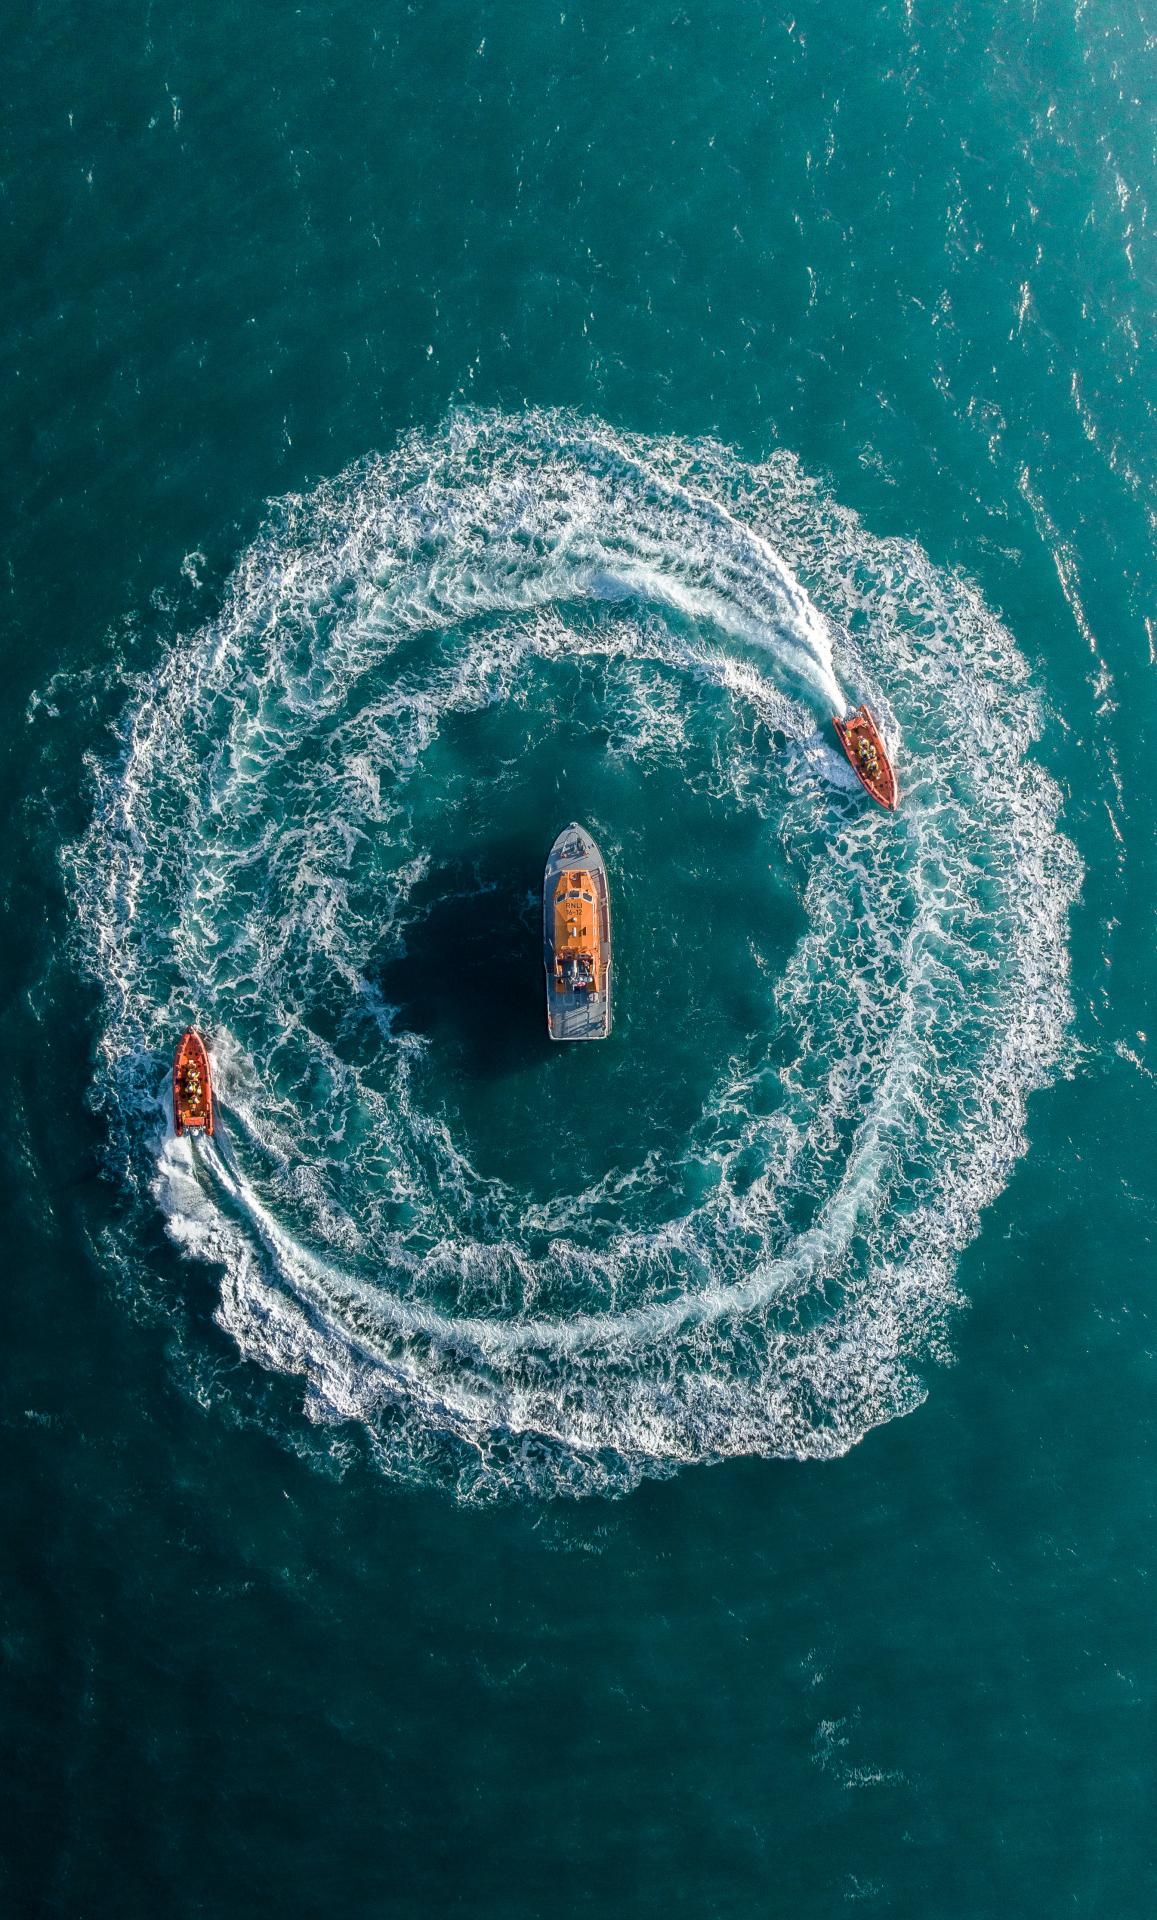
point(425, 427)
point(733, 1230)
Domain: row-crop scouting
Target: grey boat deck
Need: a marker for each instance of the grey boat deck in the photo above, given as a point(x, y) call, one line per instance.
point(576, 1016)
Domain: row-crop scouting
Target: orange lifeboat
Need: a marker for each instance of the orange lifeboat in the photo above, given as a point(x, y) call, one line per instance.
point(863, 743)
point(576, 927)
point(192, 1086)
point(578, 946)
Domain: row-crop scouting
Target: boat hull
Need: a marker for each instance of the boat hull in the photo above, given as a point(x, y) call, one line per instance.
point(192, 1109)
point(579, 1015)
point(878, 779)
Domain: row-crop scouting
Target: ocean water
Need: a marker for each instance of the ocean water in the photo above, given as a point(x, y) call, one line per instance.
point(708, 1473)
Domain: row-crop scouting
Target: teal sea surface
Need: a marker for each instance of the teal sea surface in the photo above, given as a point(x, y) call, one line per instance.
point(709, 1473)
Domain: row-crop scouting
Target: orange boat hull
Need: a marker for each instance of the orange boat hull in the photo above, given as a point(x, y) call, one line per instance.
point(192, 1086)
point(861, 740)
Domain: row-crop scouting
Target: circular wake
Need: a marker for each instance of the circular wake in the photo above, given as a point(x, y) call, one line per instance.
point(733, 1227)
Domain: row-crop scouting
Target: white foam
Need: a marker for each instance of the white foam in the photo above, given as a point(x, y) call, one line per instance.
point(252, 844)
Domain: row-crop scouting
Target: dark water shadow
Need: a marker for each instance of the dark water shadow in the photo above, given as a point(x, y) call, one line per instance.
point(471, 976)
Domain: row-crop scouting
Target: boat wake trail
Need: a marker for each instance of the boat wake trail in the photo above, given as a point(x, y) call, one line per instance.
point(771, 1270)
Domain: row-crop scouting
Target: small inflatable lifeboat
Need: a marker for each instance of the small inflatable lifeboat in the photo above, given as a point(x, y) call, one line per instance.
point(861, 740)
point(192, 1086)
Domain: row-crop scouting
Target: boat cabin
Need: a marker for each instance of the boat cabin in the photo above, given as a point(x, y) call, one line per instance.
point(577, 944)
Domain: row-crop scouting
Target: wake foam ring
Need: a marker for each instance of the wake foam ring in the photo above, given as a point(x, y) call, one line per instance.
point(269, 762)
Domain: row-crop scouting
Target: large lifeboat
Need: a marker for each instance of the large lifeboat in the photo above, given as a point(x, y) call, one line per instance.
point(576, 929)
point(192, 1086)
point(863, 743)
